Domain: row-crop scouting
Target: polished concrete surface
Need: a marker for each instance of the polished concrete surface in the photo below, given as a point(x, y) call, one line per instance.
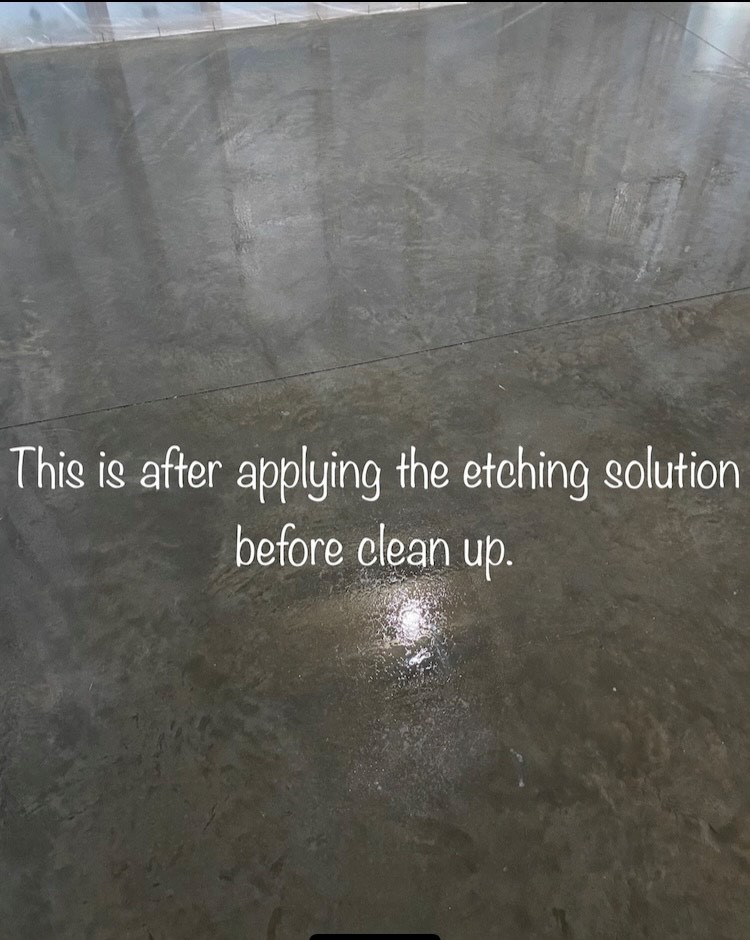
point(464, 229)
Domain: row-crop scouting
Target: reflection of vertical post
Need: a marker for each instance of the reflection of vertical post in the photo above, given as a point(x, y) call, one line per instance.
point(414, 92)
point(239, 208)
point(500, 100)
point(99, 21)
point(135, 182)
point(219, 80)
point(40, 218)
point(219, 76)
point(212, 12)
point(39, 199)
point(323, 126)
point(48, 269)
point(490, 291)
point(323, 123)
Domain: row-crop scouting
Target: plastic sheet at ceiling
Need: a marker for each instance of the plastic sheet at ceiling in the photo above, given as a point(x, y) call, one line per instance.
point(31, 25)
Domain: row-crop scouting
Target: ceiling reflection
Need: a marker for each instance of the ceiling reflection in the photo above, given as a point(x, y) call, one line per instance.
point(235, 208)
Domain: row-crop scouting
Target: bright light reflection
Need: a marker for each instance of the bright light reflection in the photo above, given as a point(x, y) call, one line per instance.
point(407, 619)
point(412, 623)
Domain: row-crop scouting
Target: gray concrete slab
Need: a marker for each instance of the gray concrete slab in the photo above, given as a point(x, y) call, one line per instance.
point(215, 210)
point(196, 750)
point(190, 750)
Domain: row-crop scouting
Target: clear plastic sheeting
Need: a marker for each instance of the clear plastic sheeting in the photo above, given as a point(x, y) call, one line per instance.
point(32, 25)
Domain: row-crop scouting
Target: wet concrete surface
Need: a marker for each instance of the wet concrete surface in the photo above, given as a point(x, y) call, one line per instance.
point(191, 750)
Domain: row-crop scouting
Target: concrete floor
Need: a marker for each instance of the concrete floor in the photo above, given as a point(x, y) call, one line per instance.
point(350, 235)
